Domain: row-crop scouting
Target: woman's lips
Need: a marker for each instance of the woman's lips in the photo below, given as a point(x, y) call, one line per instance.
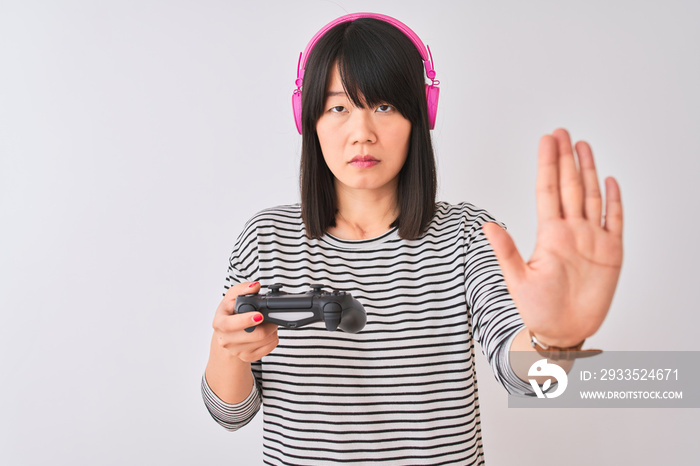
point(363, 161)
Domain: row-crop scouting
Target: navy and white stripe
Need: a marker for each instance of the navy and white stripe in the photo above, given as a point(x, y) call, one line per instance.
point(401, 391)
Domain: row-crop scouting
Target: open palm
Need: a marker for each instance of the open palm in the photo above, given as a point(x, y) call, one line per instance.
point(564, 291)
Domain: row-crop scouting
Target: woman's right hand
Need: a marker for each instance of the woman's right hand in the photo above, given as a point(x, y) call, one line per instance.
point(229, 328)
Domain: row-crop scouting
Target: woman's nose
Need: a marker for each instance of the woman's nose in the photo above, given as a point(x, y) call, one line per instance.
point(362, 126)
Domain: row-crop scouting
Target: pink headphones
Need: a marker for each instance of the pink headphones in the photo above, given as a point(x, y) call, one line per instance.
point(431, 90)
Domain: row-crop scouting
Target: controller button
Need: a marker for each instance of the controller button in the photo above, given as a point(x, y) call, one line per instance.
point(275, 288)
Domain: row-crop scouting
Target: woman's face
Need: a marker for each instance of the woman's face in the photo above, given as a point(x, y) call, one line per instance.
point(364, 148)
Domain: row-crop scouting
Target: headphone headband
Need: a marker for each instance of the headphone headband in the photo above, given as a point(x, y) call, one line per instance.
point(422, 48)
point(432, 91)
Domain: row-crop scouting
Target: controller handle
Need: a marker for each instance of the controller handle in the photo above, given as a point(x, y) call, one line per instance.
point(354, 319)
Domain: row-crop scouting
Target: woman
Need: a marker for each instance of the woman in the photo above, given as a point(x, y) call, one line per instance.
point(430, 275)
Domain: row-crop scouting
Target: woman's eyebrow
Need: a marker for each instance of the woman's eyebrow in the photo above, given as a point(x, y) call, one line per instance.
point(334, 93)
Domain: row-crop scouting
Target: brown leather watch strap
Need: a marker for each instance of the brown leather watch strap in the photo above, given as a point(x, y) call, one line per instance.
point(557, 352)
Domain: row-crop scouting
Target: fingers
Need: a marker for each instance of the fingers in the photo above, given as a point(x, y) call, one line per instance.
point(593, 202)
point(613, 207)
point(570, 183)
point(236, 322)
point(246, 346)
point(227, 306)
point(547, 188)
point(565, 190)
point(256, 344)
point(229, 327)
point(225, 319)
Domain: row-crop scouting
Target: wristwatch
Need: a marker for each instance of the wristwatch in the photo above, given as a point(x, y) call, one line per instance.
point(557, 352)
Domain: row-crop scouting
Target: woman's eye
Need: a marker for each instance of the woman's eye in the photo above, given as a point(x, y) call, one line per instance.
point(337, 109)
point(385, 108)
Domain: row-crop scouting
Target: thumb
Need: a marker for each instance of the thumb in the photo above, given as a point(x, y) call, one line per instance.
point(509, 258)
point(228, 304)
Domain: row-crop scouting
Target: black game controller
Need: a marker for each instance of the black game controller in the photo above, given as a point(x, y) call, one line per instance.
point(337, 309)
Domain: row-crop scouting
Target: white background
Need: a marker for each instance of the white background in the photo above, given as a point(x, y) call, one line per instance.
point(136, 138)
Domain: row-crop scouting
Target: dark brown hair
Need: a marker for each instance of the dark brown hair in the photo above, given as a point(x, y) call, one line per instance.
point(377, 64)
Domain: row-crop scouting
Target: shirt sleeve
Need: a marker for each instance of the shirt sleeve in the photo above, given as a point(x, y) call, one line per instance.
point(495, 319)
point(231, 416)
point(243, 267)
point(243, 262)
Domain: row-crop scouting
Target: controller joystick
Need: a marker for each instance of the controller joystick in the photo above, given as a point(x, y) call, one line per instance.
point(337, 309)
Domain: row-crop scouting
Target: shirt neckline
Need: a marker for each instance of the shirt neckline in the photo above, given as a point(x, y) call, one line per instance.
point(361, 243)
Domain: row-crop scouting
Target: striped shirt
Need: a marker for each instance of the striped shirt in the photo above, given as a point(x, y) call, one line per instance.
point(403, 390)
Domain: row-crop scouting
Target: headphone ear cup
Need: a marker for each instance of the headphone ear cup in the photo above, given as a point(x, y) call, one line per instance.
point(296, 107)
point(432, 93)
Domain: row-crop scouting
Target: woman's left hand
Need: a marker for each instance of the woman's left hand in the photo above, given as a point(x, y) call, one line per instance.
point(564, 291)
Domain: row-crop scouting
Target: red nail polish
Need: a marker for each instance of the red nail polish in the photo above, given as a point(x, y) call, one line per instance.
point(257, 317)
point(253, 284)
